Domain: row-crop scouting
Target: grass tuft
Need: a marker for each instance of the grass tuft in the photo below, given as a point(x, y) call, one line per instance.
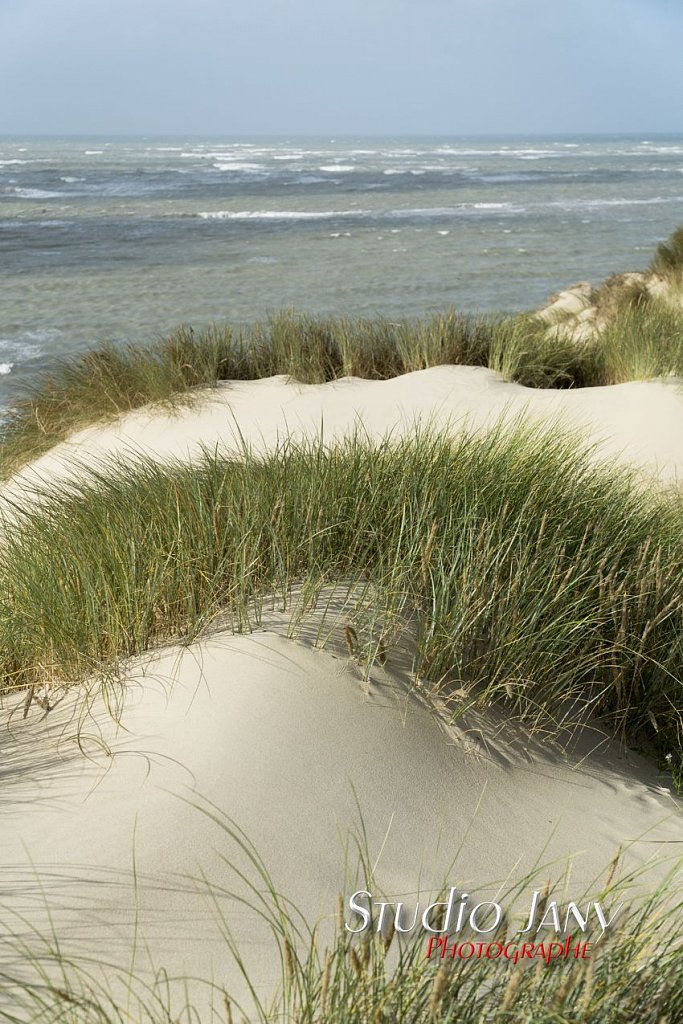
point(668, 258)
point(633, 975)
point(527, 574)
point(643, 339)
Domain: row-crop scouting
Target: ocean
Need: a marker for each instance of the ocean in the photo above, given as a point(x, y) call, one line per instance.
point(123, 238)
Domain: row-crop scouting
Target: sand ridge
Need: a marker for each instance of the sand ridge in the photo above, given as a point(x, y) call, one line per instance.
point(639, 423)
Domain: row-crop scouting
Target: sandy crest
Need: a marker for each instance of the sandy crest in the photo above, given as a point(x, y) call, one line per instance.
point(640, 423)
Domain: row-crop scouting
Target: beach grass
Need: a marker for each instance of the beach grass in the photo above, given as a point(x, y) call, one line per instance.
point(643, 337)
point(641, 341)
point(668, 258)
point(527, 574)
point(105, 382)
point(633, 974)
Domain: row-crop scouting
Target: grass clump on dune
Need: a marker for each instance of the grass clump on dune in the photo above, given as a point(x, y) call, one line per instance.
point(637, 336)
point(668, 258)
point(634, 982)
point(103, 383)
point(106, 382)
point(637, 341)
point(527, 574)
point(641, 343)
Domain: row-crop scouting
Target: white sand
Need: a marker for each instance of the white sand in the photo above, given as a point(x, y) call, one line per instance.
point(285, 740)
point(641, 422)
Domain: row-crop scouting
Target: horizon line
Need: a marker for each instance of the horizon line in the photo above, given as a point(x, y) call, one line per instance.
point(332, 135)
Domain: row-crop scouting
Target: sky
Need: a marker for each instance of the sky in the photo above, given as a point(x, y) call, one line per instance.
point(352, 67)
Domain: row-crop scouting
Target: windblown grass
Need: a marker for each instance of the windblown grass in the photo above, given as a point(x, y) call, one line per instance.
point(528, 574)
point(668, 258)
point(634, 974)
point(640, 343)
point(644, 337)
point(638, 339)
point(103, 383)
point(634, 982)
point(106, 382)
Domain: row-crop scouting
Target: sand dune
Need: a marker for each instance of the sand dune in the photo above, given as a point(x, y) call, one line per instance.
point(639, 422)
point(289, 742)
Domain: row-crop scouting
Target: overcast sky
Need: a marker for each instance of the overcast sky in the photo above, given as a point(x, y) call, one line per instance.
point(234, 67)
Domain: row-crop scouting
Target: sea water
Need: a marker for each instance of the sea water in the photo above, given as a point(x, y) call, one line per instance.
point(124, 238)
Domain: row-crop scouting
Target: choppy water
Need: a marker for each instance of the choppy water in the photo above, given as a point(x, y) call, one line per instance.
point(124, 238)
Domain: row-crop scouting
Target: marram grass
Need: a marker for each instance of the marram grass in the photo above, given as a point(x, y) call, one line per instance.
point(527, 573)
point(645, 338)
point(668, 258)
point(105, 382)
point(641, 342)
point(633, 975)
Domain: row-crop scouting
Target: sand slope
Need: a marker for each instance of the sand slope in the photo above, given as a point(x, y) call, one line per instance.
point(640, 422)
point(287, 742)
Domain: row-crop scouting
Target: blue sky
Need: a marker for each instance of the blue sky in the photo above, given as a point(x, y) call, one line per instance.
point(234, 67)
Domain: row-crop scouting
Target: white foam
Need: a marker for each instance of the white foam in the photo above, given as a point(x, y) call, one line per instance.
point(337, 168)
point(505, 152)
point(280, 214)
point(493, 206)
point(672, 150)
point(311, 179)
point(229, 154)
point(15, 160)
point(238, 165)
point(573, 204)
point(93, 152)
point(36, 193)
point(5, 368)
point(70, 180)
point(397, 214)
point(45, 334)
point(453, 211)
point(27, 345)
